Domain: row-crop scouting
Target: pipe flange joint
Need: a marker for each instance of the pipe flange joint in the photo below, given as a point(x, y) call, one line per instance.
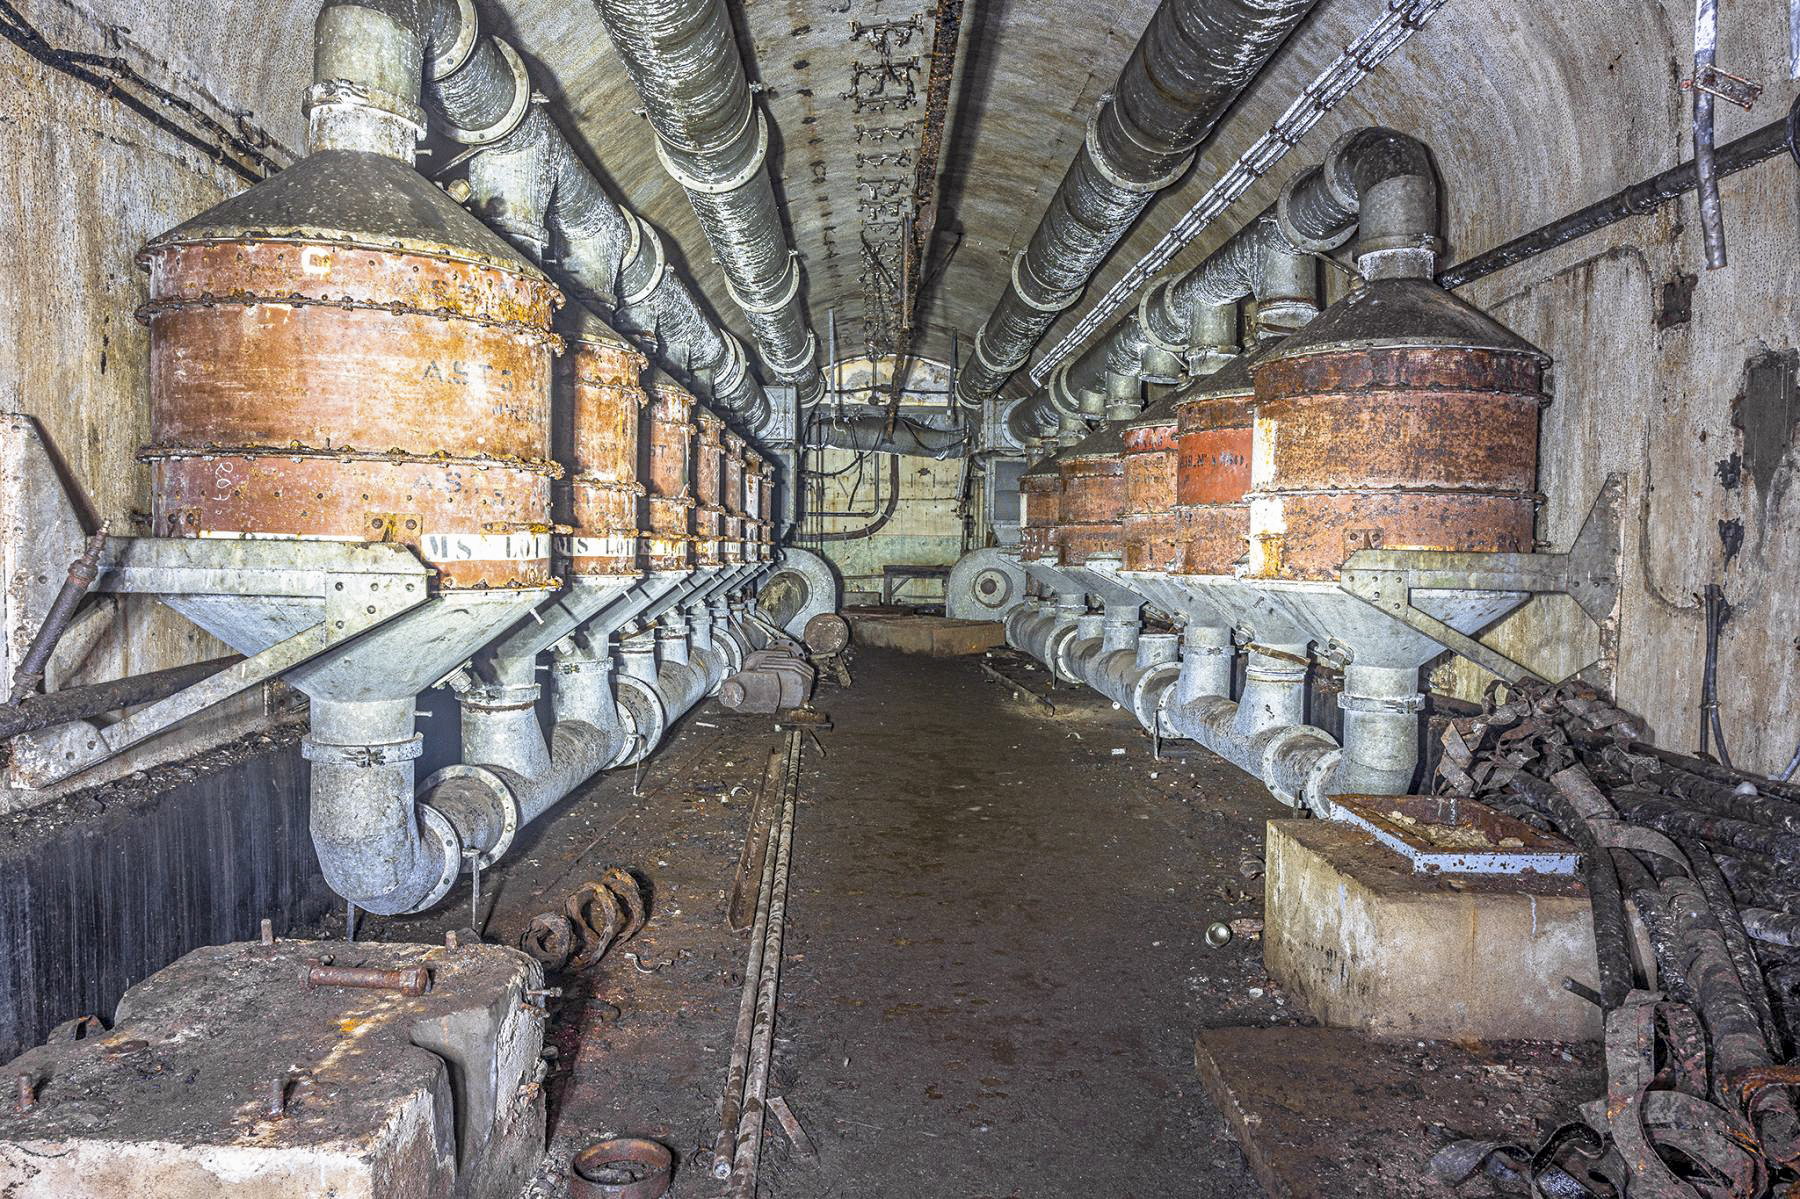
point(1092, 143)
point(514, 114)
point(382, 754)
point(691, 182)
point(1151, 691)
point(981, 356)
point(503, 801)
point(451, 58)
point(1290, 232)
point(1277, 743)
point(1317, 789)
point(1058, 302)
point(798, 369)
point(769, 307)
point(343, 93)
point(435, 826)
point(1063, 398)
point(1390, 705)
point(732, 371)
point(644, 236)
point(1148, 327)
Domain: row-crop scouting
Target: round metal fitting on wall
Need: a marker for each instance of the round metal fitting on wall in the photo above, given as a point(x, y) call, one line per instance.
point(984, 584)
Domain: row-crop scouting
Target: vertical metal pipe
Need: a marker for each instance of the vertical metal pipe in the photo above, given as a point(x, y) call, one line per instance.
point(1712, 217)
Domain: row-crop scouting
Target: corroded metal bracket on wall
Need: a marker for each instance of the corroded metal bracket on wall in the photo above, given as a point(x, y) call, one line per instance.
point(1588, 572)
point(361, 585)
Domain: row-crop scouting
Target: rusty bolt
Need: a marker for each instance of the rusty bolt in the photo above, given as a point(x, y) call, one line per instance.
point(452, 942)
point(277, 1104)
point(268, 931)
point(27, 1094)
point(410, 980)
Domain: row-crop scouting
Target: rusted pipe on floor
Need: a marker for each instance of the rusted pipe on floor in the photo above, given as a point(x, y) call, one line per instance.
point(78, 703)
point(747, 1079)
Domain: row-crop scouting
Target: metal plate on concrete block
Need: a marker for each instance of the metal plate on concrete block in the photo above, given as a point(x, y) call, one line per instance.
point(1455, 836)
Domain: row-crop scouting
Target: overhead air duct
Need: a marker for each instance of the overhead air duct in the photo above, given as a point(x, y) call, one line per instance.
point(1192, 61)
point(1374, 180)
point(713, 139)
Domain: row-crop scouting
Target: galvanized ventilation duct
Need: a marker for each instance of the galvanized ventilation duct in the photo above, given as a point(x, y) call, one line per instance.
point(869, 434)
point(370, 60)
point(1192, 61)
point(1374, 181)
point(714, 141)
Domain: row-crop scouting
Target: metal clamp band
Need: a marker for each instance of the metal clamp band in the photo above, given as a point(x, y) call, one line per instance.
point(342, 93)
point(521, 101)
point(731, 183)
point(383, 754)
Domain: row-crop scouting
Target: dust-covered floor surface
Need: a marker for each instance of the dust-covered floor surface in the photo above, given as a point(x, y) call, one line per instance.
point(996, 961)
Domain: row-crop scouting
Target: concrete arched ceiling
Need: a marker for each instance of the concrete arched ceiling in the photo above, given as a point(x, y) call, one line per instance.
point(1531, 108)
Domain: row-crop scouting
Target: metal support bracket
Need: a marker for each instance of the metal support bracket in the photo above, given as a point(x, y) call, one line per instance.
point(1588, 572)
point(361, 585)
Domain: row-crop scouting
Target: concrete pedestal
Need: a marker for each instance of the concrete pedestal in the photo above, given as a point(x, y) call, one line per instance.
point(1366, 943)
point(384, 1096)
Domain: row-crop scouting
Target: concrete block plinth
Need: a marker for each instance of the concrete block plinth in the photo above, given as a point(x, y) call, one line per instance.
point(1366, 943)
point(226, 1075)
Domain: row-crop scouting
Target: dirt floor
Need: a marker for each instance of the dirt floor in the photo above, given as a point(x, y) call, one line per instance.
point(996, 964)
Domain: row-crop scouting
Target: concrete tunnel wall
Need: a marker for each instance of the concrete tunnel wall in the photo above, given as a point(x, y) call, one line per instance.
point(1698, 413)
point(1665, 401)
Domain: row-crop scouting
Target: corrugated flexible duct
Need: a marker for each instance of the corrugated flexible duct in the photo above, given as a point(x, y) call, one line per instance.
point(1190, 64)
point(373, 59)
point(713, 139)
point(1373, 178)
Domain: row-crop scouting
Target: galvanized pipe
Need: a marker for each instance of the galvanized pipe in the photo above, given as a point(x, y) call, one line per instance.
point(1374, 181)
point(1192, 61)
point(372, 60)
point(713, 139)
point(871, 434)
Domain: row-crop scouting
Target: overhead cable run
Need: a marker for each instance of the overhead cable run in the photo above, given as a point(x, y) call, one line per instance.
point(1360, 58)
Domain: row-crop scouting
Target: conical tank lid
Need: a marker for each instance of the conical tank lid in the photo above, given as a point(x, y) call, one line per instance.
point(1108, 439)
point(1045, 467)
point(1400, 314)
point(356, 198)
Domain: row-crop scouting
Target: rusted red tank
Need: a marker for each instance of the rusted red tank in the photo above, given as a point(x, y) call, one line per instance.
point(1403, 418)
point(1093, 498)
point(1152, 540)
point(1212, 517)
point(759, 504)
point(600, 381)
point(668, 480)
point(1040, 500)
point(735, 479)
point(343, 353)
point(709, 470)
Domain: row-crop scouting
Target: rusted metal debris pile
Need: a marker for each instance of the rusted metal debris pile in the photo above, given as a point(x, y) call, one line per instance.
point(1694, 872)
point(596, 916)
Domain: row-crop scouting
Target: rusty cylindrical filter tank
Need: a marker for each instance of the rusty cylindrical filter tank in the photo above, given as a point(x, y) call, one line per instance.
point(1040, 504)
point(1403, 418)
point(1093, 498)
point(1212, 473)
point(667, 477)
point(758, 493)
point(1151, 536)
point(734, 482)
point(343, 353)
point(709, 467)
point(601, 382)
